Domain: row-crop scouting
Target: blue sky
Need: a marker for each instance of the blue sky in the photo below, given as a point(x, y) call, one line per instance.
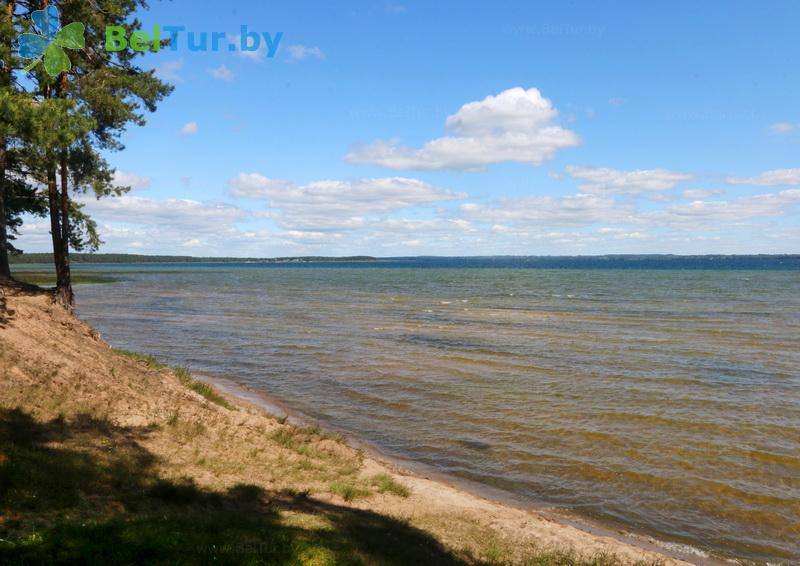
point(469, 128)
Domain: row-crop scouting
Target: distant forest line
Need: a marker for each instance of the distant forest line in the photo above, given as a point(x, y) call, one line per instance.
point(620, 261)
point(29, 258)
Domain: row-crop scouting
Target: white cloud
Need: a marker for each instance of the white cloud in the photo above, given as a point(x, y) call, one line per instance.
point(189, 129)
point(191, 214)
point(612, 181)
point(616, 101)
point(390, 215)
point(538, 211)
point(132, 180)
point(170, 225)
point(170, 71)
point(222, 73)
point(745, 208)
point(300, 52)
point(773, 178)
point(783, 127)
point(696, 194)
point(255, 55)
point(515, 125)
point(341, 205)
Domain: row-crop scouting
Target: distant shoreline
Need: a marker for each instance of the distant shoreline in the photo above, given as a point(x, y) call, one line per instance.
point(712, 262)
point(135, 258)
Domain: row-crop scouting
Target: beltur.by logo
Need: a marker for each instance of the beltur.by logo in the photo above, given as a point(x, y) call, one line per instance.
point(49, 43)
point(117, 39)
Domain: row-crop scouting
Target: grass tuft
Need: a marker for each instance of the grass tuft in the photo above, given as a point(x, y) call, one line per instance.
point(285, 437)
point(385, 483)
point(203, 389)
point(147, 359)
point(349, 490)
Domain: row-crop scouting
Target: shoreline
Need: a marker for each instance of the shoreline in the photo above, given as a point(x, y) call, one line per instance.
point(178, 437)
point(409, 468)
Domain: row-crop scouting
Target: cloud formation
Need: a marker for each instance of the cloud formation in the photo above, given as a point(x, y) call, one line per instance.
point(400, 216)
point(189, 129)
point(300, 52)
point(533, 212)
point(132, 180)
point(773, 178)
point(696, 194)
point(171, 225)
point(744, 208)
point(783, 127)
point(515, 125)
point(600, 180)
point(330, 204)
point(222, 73)
point(170, 71)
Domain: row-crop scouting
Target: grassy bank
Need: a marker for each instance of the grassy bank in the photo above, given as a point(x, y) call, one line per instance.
point(113, 457)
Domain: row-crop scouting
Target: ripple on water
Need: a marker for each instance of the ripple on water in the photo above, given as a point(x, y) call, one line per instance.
point(667, 402)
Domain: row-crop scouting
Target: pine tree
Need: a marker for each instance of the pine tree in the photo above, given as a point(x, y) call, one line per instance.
point(6, 43)
point(18, 194)
point(94, 101)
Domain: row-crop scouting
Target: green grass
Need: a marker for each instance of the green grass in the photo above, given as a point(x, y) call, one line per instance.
point(349, 490)
point(203, 389)
point(49, 279)
point(150, 361)
point(384, 483)
point(183, 375)
point(285, 437)
point(298, 439)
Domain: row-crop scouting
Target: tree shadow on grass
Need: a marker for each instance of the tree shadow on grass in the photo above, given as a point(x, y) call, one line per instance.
point(86, 491)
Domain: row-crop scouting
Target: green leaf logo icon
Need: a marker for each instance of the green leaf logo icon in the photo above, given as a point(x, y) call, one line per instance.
point(49, 44)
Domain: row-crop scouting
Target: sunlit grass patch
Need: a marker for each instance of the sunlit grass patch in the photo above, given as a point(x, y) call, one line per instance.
point(349, 490)
point(384, 483)
point(147, 359)
point(285, 437)
point(203, 389)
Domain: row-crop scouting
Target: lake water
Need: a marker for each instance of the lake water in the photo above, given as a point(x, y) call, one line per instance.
point(665, 401)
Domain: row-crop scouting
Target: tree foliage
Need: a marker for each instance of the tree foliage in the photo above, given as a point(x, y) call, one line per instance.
point(56, 131)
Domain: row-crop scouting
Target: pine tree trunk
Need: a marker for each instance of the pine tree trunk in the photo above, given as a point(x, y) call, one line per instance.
point(64, 292)
point(59, 216)
point(54, 205)
point(5, 270)
point(55, 222)
point(64, 274)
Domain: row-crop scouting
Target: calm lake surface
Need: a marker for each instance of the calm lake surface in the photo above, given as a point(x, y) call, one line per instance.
point(666, 401)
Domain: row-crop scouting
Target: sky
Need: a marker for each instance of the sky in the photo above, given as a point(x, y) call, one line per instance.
point(400, 127)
